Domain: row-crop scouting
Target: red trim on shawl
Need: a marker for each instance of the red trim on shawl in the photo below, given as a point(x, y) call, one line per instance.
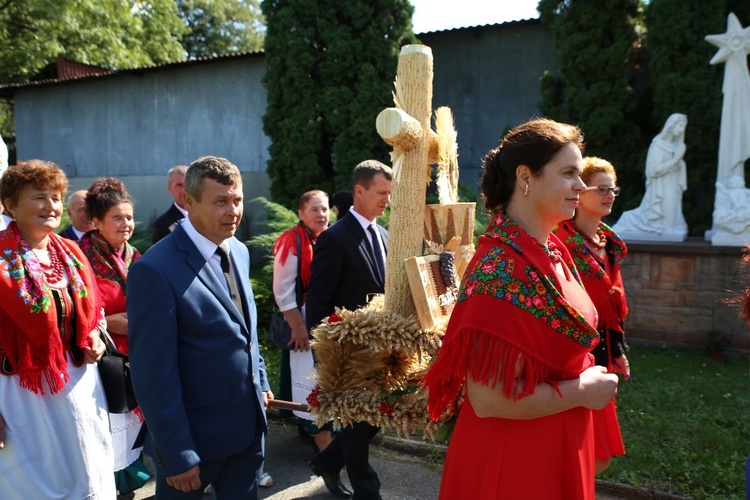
point(511, 325)
point(286, 244)
point(606, 289)
point(29, 333)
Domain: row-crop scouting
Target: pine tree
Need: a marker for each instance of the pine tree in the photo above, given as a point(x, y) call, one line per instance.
point(596, 43)
point(329, 71)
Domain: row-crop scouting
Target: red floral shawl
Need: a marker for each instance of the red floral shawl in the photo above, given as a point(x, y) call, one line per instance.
point(106, 262)
point(287, 244)
point(607, 291)
point(511, 324)
point(29, 333)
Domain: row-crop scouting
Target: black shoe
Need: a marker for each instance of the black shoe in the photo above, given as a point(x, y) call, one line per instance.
point(332, 482)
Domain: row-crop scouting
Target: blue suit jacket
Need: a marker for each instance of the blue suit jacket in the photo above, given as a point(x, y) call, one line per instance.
point(197, 371)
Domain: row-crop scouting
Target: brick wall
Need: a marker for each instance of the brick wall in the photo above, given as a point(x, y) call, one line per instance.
point(677, 292)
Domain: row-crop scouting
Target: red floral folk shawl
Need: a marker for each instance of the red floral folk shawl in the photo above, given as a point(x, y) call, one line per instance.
point(287, 244)
point(606, 290)
point(29, 334)
point(511, 324)
point(108, 263)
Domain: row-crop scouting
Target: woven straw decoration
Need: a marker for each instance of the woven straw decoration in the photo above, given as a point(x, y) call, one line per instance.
point(405, 232)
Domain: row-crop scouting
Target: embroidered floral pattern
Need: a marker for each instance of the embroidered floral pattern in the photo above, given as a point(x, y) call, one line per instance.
point(25, 269)
point(584, 260)
point(104, 259)
point(529, 290)
point(22, 265)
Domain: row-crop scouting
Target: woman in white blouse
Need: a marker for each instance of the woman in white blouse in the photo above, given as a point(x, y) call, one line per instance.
point(314, 218)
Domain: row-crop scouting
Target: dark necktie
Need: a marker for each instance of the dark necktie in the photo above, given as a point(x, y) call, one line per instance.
point(228, 270)
point(377, 251)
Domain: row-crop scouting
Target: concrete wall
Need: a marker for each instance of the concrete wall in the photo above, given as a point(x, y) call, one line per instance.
point(677, 293)
point(489, 77)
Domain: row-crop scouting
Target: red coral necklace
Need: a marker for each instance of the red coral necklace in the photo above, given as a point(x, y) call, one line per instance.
point(54, 271)
point(596, 245)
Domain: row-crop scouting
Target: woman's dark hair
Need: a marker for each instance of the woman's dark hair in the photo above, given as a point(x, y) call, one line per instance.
point(343, 201)
point(534, 144)
point(42, 175)
point(105, 193)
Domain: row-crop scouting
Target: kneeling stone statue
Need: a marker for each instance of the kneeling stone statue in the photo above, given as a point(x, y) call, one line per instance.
point(659, 217)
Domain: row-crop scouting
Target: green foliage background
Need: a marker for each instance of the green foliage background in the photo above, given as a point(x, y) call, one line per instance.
point(596, 43)
point(625, 66)
point(330, 68)
point(221, 27)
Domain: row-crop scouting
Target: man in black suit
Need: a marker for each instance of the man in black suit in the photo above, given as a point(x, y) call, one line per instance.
point(349, 265)
point(169, 219)
point(79, 218)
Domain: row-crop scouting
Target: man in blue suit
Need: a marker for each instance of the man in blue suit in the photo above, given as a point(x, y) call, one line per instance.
point(197, 372)
point(349, 265)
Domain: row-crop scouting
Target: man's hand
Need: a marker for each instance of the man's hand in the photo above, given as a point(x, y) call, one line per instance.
point(187, 481)
point(267, 396)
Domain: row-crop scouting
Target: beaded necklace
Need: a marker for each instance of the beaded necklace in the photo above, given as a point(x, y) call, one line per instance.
point(54, 270)
point(594, 244)
point(555, 255)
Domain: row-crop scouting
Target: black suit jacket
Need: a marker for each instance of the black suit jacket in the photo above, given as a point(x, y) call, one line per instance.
point(164, 224)
point(343, 271)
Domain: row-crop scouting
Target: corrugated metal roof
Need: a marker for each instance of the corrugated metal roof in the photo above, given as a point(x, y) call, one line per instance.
point(66, 69)
point(73, 71)
point(533, 20)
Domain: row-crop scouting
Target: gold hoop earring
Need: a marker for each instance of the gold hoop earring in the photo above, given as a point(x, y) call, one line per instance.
point(526, 191)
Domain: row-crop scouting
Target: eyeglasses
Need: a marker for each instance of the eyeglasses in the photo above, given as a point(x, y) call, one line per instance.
point(604, 190)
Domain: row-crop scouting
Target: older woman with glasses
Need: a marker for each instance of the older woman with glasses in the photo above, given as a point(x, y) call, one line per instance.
point(598, 253)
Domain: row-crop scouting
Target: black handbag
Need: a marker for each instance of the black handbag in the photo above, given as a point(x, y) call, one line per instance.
point(279, 332)
point(114, 370)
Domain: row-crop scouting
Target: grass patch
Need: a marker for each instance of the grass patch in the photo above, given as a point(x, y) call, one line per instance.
point(684, 421)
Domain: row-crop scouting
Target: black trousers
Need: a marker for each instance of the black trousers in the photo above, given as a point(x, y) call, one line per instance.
point(351, 448)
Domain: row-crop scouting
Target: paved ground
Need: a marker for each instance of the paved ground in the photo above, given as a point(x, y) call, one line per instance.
point(406, 474)
point(287, 454)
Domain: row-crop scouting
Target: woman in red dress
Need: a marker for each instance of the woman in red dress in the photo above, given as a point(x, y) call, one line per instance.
point(519, 338)
point(598, 253)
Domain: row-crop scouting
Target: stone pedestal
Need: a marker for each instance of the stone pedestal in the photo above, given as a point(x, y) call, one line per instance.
point(728, 239)
point(666, 236)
